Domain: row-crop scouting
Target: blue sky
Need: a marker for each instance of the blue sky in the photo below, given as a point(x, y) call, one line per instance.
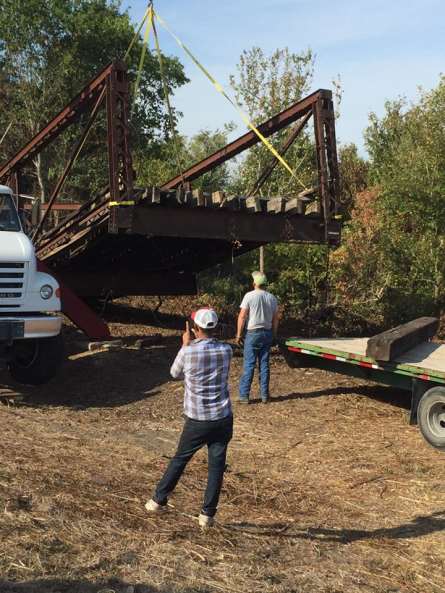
point(381, 49)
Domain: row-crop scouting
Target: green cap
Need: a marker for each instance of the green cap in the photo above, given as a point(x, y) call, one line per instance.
point(259, 278)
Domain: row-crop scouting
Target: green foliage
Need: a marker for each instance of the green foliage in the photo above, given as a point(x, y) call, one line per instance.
point(49, 49)
point(353, 172)
point(391, 265)
point(298, 276)
point(264, 86)
point(407, 150)
point(161, 165)
point(202, 145)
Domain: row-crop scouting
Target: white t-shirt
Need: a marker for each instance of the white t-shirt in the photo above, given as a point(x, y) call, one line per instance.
point(262, 306)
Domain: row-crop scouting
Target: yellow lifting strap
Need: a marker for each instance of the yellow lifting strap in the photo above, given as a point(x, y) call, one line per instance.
point(148, 28)
point(122, 203)
point(167, 102)
point(221, 90)
point(136, 35)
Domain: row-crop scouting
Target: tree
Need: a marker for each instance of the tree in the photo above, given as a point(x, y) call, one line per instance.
point(264, 86)
point(49, 49)
point(353, 173)
point(391, 265)
point(163, 163)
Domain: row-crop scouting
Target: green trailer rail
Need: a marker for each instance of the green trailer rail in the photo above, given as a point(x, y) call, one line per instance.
point(421, 371)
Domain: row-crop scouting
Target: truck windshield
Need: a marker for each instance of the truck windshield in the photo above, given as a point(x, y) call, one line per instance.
point(9, 220)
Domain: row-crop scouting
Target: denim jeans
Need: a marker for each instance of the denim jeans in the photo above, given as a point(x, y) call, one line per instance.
point(216, 434)
point(257, 345)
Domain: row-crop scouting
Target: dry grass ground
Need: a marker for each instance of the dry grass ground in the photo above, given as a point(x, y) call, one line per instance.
point(328, 489)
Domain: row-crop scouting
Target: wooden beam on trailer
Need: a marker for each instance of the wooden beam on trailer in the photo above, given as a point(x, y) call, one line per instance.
point(390, 344)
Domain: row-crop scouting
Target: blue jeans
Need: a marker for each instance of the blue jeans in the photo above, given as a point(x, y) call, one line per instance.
point(216, 434)
point(257, 347)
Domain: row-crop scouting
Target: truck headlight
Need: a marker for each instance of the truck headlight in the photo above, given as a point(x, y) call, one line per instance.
point(46, 292)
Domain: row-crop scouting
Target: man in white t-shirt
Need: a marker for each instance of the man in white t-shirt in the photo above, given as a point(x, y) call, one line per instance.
point(260, 313)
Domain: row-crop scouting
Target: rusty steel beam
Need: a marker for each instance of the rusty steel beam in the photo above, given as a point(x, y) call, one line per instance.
point(112, 82)
point(332, 159)
point(78, 311)
point(66, 206)
point(71, 229)
point(324, 127)
point(60, 122)
point(212, 224)
point(69, 165)
point(81, 216)
point(269, 127)
point(267, 172)
point(121, 174)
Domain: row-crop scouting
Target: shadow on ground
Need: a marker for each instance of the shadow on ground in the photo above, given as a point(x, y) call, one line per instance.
point(83, 586)
point(120, 313)
point(389, 395)
point(418, 527)
point(102, 379)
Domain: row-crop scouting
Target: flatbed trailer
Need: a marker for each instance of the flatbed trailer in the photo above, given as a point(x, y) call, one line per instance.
point(421, 371)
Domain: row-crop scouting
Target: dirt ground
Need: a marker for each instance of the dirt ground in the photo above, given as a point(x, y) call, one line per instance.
point(328, 489)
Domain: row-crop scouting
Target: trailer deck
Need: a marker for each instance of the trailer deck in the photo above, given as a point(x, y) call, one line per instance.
point(426, 361)
point(420, 370)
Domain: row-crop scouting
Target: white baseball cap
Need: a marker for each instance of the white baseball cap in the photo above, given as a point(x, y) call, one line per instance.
point(205, 318)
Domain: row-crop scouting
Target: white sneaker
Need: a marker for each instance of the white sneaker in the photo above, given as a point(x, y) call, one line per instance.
point(153, 507)
point(205, 521)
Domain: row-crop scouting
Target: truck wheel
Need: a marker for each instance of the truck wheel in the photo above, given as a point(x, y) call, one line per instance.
point(35, 362)
point(431, 417)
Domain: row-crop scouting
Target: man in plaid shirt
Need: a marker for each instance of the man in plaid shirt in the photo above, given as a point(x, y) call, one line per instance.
point(204, 364)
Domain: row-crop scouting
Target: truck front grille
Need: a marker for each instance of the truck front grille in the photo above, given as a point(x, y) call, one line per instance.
point(12, 282)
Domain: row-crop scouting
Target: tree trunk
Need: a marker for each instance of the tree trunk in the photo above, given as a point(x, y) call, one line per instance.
point(42, 177)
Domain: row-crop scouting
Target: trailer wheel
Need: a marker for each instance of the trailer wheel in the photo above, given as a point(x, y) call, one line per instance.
point(294, 360)
point(35, 362)
point(431, 417)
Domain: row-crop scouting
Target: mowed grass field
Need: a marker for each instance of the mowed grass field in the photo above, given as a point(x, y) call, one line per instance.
point(328, 489)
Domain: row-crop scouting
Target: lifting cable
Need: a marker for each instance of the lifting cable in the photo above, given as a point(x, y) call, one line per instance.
point(149, 17)
point(221, 90)
point(139, 29)
point(149, 26)
point(168, 104)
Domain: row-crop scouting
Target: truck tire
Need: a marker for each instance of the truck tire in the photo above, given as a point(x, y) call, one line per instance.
point(35, 362)
point(431, 417)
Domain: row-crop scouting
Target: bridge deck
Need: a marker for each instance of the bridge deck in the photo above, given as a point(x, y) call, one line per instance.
point(173, 236)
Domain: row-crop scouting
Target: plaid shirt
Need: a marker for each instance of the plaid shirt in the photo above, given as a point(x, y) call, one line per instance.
point(204, 365)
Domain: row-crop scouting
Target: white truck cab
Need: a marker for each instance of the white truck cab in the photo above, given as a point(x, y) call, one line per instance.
point(30, 320)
